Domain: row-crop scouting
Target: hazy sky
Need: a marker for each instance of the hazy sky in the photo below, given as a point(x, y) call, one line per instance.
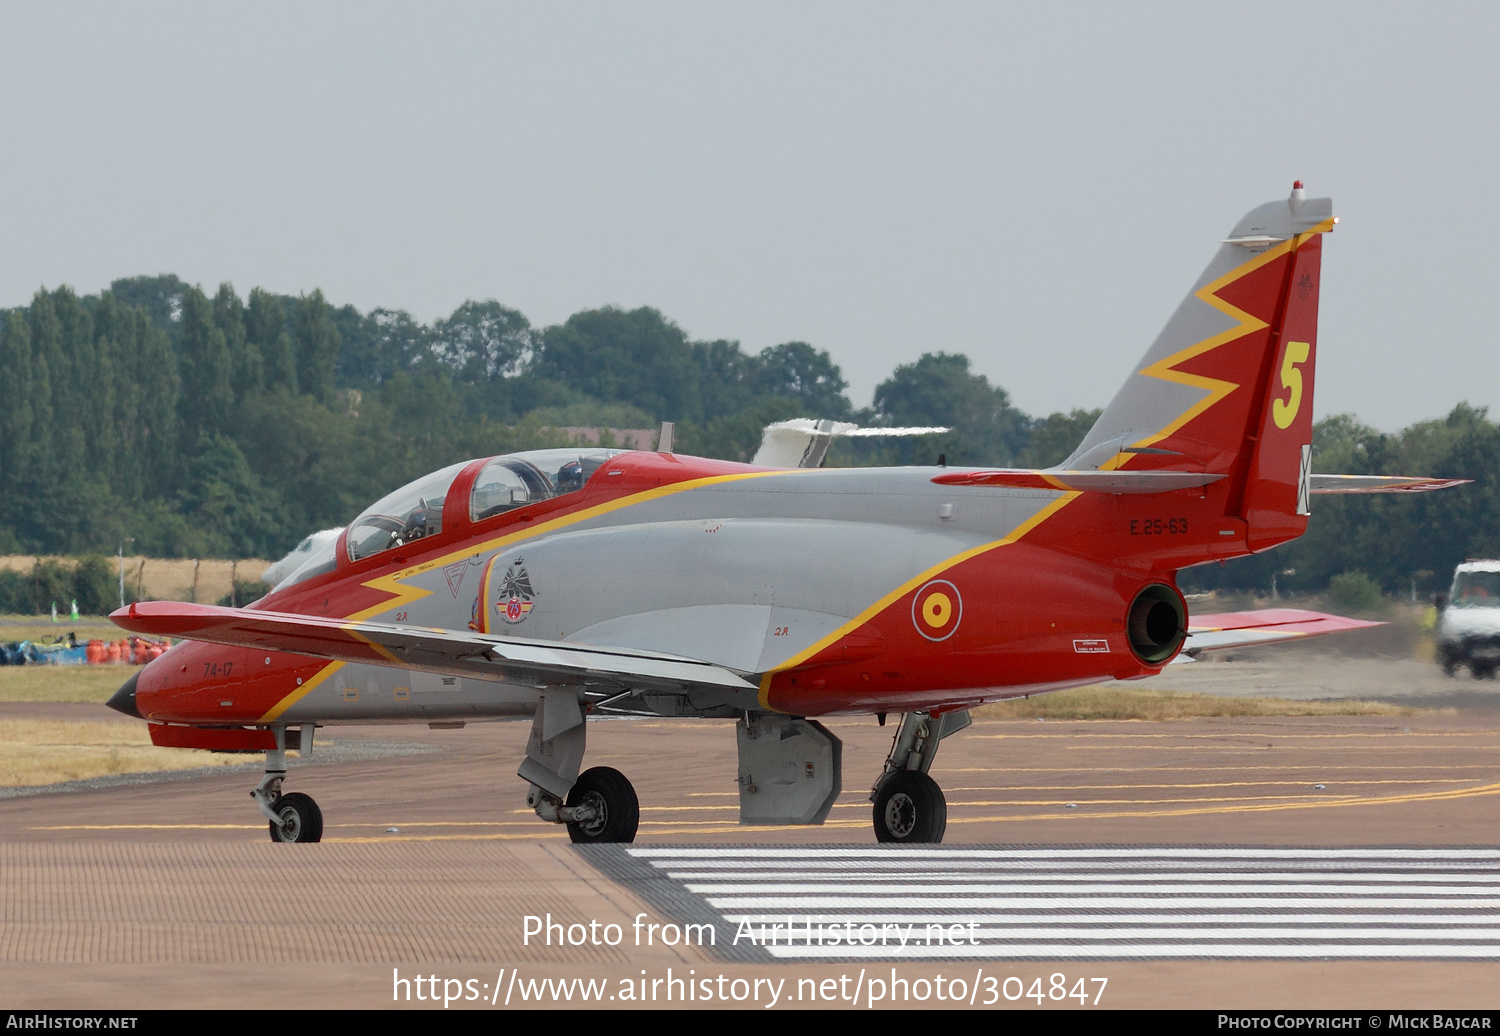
point(1034, 185)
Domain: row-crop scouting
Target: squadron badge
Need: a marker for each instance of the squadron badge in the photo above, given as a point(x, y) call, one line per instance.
point(514, 601)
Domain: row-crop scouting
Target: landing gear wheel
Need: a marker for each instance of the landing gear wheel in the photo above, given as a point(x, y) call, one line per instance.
point(301, 819)
point(910, 808)
point(1449, 668)
point(618, 810)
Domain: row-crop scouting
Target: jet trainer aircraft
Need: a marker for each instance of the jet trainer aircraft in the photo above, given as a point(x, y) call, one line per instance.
point(560, 584)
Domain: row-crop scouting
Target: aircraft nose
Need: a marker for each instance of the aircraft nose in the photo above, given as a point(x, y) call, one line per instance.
point(123, 700)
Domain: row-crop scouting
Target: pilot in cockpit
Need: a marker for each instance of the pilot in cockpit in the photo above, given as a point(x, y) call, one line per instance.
point(569, 477)
point(416, 524)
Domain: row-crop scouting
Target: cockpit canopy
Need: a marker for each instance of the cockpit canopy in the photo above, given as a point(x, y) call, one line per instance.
point(518, 479)
point(410, 513)
point(415, 511)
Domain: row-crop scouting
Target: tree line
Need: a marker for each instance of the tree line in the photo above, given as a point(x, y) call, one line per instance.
point(1402, 541)
point(189, 424)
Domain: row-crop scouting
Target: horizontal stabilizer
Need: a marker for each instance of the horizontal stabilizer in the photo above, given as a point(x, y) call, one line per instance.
point(1382, 483)
point(1267, 626)
point(450, 652)
point(1116, 482)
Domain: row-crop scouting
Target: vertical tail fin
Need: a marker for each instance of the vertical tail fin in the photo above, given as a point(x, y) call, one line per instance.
point(1227, 386)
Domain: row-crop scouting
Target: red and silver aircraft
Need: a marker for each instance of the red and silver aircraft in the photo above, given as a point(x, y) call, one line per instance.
point(560, 584)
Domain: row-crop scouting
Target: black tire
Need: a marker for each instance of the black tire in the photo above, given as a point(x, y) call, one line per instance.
point(1484, 672)
point(301, 819)
point(608, 791)
point(910, 809)
point(1449, 668)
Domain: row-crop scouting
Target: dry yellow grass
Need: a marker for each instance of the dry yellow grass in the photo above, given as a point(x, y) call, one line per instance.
point(61, 683)
point(1139, 703)
point(165, 579)
point(36, 752)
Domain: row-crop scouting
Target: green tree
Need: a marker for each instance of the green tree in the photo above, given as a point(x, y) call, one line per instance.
point(246, 361)
point(233, 512)
point(636, 357)
point(317, 346)
point(206, 402)
point(1354, 591)
point(266, 329)
point(808, 376)
point(96, 585)
point(1056, 436)
point(16, 393)
point(160, 297)
point(940, 390)
point(151, 367)
point(726, 378)
point(483, 341)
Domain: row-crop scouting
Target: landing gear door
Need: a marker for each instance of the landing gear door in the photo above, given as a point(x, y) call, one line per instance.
point(790, 769)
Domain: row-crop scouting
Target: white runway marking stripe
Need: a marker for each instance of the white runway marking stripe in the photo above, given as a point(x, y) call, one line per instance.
point(1079, 888)
point(959, 903)
point(1081, 903)
point(818, 854)
point(1135, 951)
point(1119, 933)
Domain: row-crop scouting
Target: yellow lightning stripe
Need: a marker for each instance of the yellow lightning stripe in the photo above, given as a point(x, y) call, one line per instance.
point(907, 587)
point(301, 692)
point(1217, 389)
point(403, 594)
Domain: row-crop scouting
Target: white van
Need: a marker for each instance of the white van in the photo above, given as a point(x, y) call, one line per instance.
point(1468, 628)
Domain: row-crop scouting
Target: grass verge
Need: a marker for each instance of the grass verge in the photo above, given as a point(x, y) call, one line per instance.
point(1145, 704)
point(62, 683)
point(36, 752)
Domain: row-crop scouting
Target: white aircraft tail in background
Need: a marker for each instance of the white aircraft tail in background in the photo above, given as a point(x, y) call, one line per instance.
point(803, 442)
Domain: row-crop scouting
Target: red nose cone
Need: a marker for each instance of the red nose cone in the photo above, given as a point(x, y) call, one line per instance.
point(1296, 185)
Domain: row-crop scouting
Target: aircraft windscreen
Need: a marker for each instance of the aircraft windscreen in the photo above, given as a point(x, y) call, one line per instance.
point(410, 513)
point(1477, 590)
point(518, 479)
point(319, 560)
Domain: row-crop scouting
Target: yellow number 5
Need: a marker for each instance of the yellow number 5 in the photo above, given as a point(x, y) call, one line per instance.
point(1284, 411)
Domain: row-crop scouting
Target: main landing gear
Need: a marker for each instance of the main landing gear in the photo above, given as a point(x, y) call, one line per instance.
point(601, 807)
point(909, 805)
point(598, 805)
point(294, 817)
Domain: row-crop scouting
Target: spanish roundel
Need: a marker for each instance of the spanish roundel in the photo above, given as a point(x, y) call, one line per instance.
point(937, 609)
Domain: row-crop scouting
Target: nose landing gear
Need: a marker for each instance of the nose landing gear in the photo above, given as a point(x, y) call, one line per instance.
point(301, 819)
point(294, 817)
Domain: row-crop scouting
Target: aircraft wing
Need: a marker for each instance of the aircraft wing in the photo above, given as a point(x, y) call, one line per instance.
point(450, 652)
point(1265, 626)
point(1381, 483)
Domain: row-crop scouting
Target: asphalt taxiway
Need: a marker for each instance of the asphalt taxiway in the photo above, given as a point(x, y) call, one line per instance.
point(168, 894)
